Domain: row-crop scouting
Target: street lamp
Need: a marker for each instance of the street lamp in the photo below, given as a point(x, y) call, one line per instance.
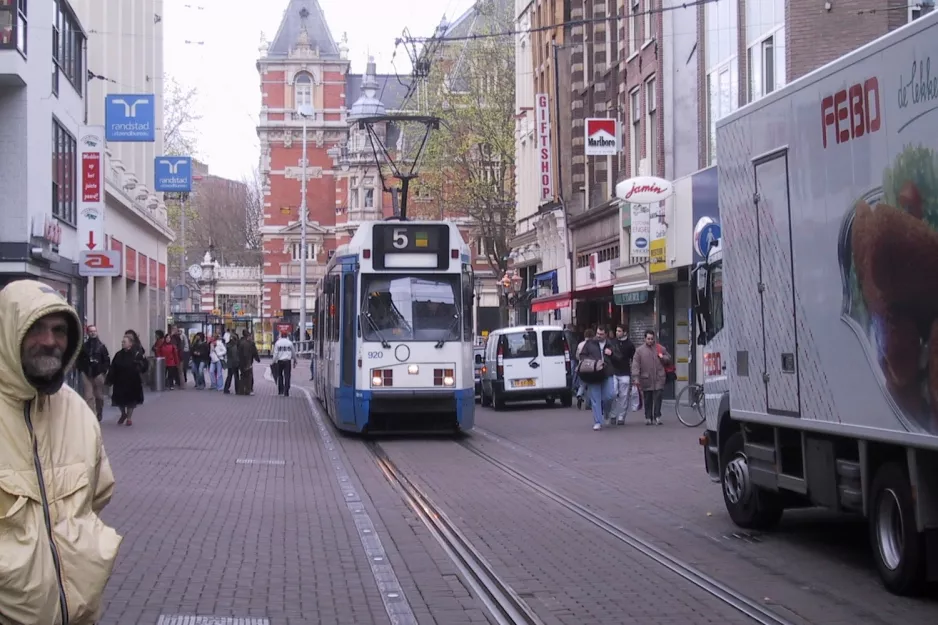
point(306, 112)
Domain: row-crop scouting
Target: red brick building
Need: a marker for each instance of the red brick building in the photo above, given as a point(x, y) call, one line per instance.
point(305, 65)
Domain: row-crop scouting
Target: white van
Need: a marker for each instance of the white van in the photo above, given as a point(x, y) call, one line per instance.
point(525, 364)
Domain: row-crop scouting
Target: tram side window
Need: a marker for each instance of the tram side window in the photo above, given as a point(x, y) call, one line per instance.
point(335, 309)
point(467, 305)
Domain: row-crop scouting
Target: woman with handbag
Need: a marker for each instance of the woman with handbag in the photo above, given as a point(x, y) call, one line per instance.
point(649, 374)
point(595, 370)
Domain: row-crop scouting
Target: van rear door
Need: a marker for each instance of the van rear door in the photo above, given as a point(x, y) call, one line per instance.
point(521, 356)
point(553, 361)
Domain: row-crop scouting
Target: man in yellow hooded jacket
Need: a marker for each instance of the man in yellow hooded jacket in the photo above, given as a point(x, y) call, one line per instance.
point(55, 552)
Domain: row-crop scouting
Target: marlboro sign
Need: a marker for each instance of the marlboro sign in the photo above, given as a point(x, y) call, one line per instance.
point(602, 137)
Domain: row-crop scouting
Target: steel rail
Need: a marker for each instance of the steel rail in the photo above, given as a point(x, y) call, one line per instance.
point(686, 571)
point(504, 604)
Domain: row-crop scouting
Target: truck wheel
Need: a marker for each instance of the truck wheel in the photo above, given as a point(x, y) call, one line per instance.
point(749, 506)
point(898, 547)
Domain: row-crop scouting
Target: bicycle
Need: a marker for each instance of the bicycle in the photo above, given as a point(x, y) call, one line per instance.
point(691, 397)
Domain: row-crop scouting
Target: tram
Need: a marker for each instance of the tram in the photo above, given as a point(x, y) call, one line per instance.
point(395, 336)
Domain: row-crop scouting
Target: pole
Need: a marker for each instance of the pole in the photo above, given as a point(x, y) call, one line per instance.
point(303, 209)
point(182, 231)
point(568, 238)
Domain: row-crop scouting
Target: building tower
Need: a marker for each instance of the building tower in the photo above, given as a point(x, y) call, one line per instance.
point(302, 66)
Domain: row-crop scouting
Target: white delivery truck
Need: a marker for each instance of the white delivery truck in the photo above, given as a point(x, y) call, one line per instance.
point(819, 303)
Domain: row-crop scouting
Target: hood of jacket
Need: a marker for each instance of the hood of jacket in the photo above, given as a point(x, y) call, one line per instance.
point(23, 303)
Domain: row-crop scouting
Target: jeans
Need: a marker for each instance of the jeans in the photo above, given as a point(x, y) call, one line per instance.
point(234, 374)
point(198, 373)
point(217, 376)
point(284, 373)
point(601, 395)
point(624, 392)
point(653, 404)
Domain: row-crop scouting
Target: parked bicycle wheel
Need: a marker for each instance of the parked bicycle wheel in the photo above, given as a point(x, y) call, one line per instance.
point(689, 405)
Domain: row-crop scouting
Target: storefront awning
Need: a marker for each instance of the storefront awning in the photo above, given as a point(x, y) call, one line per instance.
point(547, 276)
point(595, 292)
point(550, 302)
point(631, 293)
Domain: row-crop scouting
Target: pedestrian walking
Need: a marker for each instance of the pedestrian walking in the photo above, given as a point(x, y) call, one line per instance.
point(93, 362)
point(623, 352)
point(219, 361)
point(596, 372)
point(179, 339)
point(201, 359)
point(166, 350)
point(284, 361)
point(125, 380)
point(233, 363)
point(648, 374)
point(581, 385)
point(55, 555)
point(247, 354)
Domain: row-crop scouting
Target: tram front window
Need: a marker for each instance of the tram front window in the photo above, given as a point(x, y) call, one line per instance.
point(411, 308)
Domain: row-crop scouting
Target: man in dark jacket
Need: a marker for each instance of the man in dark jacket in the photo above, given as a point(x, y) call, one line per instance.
point(234, 364)
point(93, 363)
point(247, 355)
point(622, 354)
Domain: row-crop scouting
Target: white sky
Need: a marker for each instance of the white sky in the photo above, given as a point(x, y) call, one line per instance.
point(223, 67)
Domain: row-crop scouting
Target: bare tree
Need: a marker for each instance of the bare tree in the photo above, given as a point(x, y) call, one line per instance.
point(179, 117)
point(469, 166)
point(227, 216)
point(254, 207)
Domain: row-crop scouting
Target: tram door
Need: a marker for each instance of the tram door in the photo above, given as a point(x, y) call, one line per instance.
point(348, 350)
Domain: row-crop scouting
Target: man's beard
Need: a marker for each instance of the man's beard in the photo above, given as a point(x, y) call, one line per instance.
point(43, 363)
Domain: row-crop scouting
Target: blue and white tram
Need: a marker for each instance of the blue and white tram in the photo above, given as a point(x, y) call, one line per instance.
point(395, 337)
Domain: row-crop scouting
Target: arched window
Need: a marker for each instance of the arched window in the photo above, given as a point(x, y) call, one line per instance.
point(303, 90)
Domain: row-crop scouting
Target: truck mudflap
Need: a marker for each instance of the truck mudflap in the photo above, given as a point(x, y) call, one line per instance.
point(708, 441)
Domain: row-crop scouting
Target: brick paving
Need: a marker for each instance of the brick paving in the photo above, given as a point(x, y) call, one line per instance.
point(651, 480)
point(204, 535)
point(569, 571)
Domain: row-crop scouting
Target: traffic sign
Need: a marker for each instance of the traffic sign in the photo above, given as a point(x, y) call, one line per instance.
point(706, 231)
point(91, 199)
point(104, 263)
point(130, 117)
point(172, 174)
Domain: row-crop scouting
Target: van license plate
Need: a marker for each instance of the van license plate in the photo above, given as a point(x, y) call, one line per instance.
point(522, 383)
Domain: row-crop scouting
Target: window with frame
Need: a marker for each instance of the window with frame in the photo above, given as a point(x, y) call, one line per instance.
point(920, 9)
point(13, 25)
point(303, 91)
point(722, 99)
point(67, 47)
point(64, 154)
point(297, 253)
point(651, 126)
point(650, 25)
point(635, 144)
point(633, 25)
point(369, 201)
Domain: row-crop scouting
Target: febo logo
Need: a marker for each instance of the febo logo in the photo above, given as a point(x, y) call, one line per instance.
point(644, 190)
point(853, 112)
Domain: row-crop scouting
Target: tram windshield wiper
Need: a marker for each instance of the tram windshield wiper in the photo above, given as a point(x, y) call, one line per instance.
point(449, 331)
point(374, 326)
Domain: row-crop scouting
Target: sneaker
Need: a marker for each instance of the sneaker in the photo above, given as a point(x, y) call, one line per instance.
point(597, 426)
point(579, 403)
point(647, 421)
point(657, 420)
point(620, 421)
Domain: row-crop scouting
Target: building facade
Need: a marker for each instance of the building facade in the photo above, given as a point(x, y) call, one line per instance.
point(47, 93)
point(616, 69)
point(541, 246)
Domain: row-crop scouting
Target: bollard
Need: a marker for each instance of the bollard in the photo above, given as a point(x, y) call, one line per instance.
point(157, 374)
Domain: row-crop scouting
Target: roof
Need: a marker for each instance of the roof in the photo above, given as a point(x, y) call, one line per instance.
point(484, 17)
point(300, 13)
point(390, 90)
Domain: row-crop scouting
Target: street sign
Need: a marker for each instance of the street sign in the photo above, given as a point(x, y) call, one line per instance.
point(172, 174)
point(91, 199)
point(706, 231)
point(130, 117)
point(103, 263)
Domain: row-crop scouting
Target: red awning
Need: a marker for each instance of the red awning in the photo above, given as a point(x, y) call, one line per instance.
point(593, 292)
point(550, 302)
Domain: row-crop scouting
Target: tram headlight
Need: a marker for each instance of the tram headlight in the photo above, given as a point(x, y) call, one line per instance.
point(413, 369)
point(382, 377)
point(448, 381)
point(376, 380)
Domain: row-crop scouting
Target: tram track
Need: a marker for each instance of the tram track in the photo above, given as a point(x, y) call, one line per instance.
point(502, 602)
point(716, 589)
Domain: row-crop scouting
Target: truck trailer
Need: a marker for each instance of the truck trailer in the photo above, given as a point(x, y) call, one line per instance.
point(818, 306)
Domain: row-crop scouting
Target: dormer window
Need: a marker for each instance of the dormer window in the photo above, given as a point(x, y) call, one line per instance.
point(303, 91)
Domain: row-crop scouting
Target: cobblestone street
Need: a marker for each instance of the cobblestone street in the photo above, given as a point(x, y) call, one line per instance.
point(254, 507)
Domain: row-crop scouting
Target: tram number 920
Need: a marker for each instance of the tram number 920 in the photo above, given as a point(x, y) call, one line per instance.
point(375, 355)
